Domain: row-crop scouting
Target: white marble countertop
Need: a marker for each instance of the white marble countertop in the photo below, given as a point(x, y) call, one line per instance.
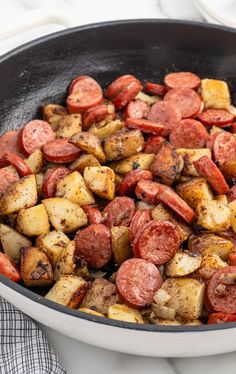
point(75, 356)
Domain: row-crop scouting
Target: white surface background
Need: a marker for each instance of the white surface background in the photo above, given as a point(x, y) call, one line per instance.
point(75, 356)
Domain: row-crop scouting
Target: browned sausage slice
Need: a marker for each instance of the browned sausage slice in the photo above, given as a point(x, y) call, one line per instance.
point(9, 142)
point(8, 268)
point(137, 281)
point(189, 134)
point(206, 168)
point(119, 212)
point(98, 113)
point(60, 151)
point(136, 109)
point(221, 291)
point(117, 86)
point(12, 159)
point(128, 184)
point(155, 89)
point(186, 100)
point(153, 144)
point(127, 94)
point(216, 117)
point(157, 242)
point(224, 147)
point(7, 178)
point(140, 218)
point(147, 191)
point(34, 135)
point(93, 214)
point(94, 245)
point(182, 79)
point(144, 125)
point(51, 178)
point(165, 113)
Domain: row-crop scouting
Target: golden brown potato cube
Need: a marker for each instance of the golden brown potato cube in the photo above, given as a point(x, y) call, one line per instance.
point(69, 125)
point(212, 261)
point(229, 171)
point(222, 198)
point(100, 296)
point(35, 267)
point(123, 312)
point(194, 191)
point(121, 246)
point(186, 296)
point(106, 129)
point(22, 194)
point(33, 221)
point(191, 155)
point(215, 94)
point(208, 244)
point(232, 207)
point(212, 216)
point(166, 164)
point(148, 99)
point(141, 160)
point(82, 162)
point(12, 241)
point(90, 311)
point(65, 264)
point(39, 183)
point(35, 161)
point(68, 291)
point(183, 263)
point(53, 243)
point(52, 113)
point(73, 188)
point(165, 322)
point(64, 215)
point(123, 144)
point(89, 143)
point(100, 180)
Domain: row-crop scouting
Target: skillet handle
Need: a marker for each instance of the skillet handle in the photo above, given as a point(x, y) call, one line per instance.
point(36, 18)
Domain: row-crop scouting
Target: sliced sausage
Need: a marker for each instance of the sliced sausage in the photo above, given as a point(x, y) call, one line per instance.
point(34, 135)
point(84, 92)
point(144, 125)
point(189, 134)
point(60, 151)
point(233, 128)
point(185, 99)
point(232, 259)
point(211, 139)
point(221, 291)
point(231, 195)
point(94, 245)
point(93, 214)
point(216, 117)
point(182, 79)
point(137, 109)
point(98, 113)
point(140, 218)
point(8, 268)
point(224, 147)
point(128, 184)
point(118, 85)
point(157, 242)
point(9, 142)
point(166, 165)
point(221, 318)
point(10, 158)
point(147, 191)
point(137, 281)
point(119, 212)
point(206, 168)
point(155, 89)
point(153, 144)
point(7, 178)
point(165, 113)
point(50, 180)
point(127, 94)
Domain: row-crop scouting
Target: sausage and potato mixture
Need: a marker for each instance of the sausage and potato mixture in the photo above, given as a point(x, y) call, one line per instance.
point(122, 203)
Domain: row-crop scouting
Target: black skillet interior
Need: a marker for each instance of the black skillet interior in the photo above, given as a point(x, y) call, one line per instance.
point(40, 72)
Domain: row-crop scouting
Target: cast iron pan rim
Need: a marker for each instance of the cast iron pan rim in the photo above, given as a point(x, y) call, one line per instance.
point(72, 312)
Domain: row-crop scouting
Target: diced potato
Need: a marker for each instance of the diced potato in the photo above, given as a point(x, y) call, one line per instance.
point(212, 261)
point(69, 125)
point(143, 205)
point(165, 322)
point(228, 169)
point(194, 191)
point(35, 267)
point(141, 160)
point(182, 264)
point(232, 207)
point(123, 144)
point(100, 296)
point(39, 182)
point(148, 99)
point(82, 162)
point(118, 179)
point(124, 313)
point(162, 311)
point(90, 311)
point(35, 161)
point(215, 94)
point(65, 215)
point(209, 244)
point(213, 216)
point(121, 246)
point(33, 221)
point(222, 198)
point(89, 143)
point(12, 241)
point(100, 180)
point(161, 213)
point(161, 297)
point(53, 243)
point(22, 194)
point(102, 132)
point(194, 322)
point(73, 188)
point(191, 155)
point(68, 291)
point(65, 264)
point(52, 113)
point(186, 296)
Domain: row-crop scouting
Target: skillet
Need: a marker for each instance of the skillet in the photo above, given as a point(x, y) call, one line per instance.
point(40, 71)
